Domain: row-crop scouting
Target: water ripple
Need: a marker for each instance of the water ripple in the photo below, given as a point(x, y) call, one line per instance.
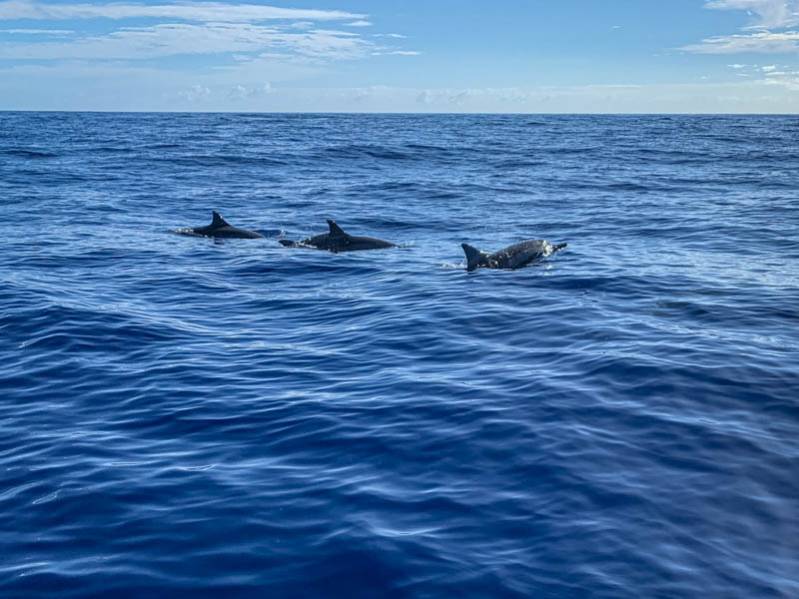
point(188, 418)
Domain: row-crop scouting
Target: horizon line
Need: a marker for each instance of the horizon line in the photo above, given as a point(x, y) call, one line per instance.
point(397, 113)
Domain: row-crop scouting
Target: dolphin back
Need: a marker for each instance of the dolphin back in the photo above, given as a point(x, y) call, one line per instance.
point(354, 243)
point(219, 227)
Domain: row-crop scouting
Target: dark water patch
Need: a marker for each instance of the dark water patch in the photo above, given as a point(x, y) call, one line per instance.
point(200, 161)
point(367, 151)
point(28, 153)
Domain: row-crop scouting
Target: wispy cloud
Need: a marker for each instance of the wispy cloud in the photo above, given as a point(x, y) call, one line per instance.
point(135, 43)
point(185, 11)
point(195, 93)
point(243, 92)
point(37, 31)
point(772, 35)
point(189, 28)
point(762, 42)
point(400, 53)
point(772, 75)
point(770, 14)
point(786, 79)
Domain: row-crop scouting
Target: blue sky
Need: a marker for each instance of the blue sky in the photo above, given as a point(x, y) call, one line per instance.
point(410, 56)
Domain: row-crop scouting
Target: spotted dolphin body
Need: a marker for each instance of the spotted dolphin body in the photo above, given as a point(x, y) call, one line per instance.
point(219, 227)
point(337, 240)
point(514, 256)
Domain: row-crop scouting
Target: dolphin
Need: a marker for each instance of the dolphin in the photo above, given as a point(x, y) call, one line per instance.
point(337, 240)
point(219, 227)
point(514, 256)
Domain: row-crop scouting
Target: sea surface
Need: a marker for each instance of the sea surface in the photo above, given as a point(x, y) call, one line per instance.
point(187, 418)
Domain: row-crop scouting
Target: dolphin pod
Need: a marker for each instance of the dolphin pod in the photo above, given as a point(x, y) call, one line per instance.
point(337, 240)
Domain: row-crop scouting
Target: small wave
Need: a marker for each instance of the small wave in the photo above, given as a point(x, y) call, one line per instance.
point(366, 151)
point(218, 160)
point(28, 153)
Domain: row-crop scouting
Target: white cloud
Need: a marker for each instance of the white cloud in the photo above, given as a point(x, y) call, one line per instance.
point(787, 80)
point(769, 68)
point(396, 36)
point(38, 31)
point(737, 66)
point(770, 13)
point(771, 34)
point(186, 11)
point(241, 31)
point(398, 53)
point(243, 92)
point(481, 96)
point(114, 86)
point(134, 43)
point(195, 93)
point(763, 42)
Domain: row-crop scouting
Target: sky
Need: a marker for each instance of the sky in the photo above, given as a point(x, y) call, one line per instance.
point(504, 56)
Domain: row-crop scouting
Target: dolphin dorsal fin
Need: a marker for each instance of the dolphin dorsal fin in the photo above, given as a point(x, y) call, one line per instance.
point(335, 230)
point(218, 221)
point(474, 257)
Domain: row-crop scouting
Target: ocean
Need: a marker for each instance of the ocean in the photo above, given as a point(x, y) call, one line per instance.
point(184, 417)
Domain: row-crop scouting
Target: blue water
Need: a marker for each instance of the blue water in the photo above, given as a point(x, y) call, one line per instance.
point(182, 417)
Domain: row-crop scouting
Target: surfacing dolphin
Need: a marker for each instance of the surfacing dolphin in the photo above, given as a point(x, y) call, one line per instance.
point(514, 256)
point(219, 227)
point(337, 240)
